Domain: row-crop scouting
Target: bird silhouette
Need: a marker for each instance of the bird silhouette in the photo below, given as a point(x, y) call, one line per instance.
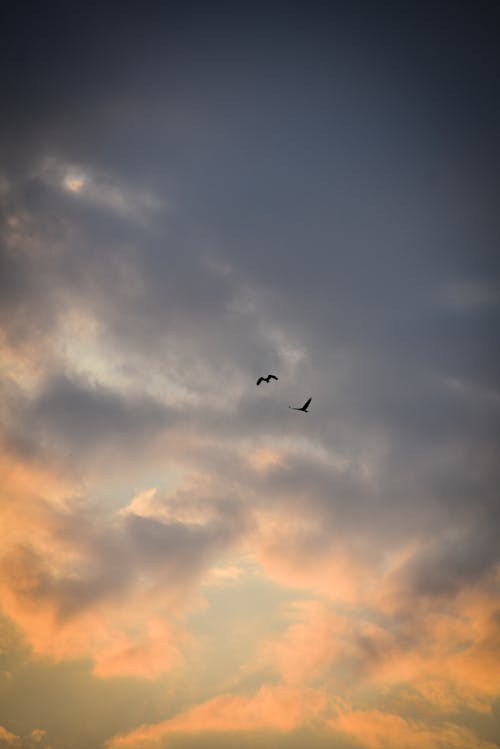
point(302, 408)
point(266, 379)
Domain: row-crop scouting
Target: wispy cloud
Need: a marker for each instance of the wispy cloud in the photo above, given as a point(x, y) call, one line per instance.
point(275, 708)
point(101, 190)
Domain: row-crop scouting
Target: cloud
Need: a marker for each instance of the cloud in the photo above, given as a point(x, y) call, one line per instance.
point(114, 590)
point(434, 655)
point(284, 709)
point(271, 708)
point(83, 416)
point(34, 739)
point(377, 730)
point(7, 737)
point(100, 190)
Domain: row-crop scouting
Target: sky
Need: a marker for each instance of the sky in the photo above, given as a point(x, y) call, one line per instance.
point(192, 197)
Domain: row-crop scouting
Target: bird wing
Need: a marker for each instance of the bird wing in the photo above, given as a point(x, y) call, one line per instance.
point(259, 380)
point(306, 404)
point(272, 377)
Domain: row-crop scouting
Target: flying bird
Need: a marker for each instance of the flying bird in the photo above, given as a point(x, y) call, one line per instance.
point(303, 408)
point(266, 379)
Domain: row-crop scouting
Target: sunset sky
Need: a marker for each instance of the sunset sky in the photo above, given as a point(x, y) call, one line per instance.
point(192, 197)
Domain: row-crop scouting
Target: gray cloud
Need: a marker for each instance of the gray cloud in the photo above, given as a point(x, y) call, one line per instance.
point(82, 415)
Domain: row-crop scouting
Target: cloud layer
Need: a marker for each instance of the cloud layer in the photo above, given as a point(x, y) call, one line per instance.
point(229, 198)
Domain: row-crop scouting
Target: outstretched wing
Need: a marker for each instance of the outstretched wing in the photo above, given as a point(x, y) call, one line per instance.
point(260, 380)
point(306, 405)
point(272, 377)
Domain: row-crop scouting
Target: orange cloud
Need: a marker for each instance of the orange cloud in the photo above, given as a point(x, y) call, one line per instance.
point(276, 708)
point(6, 737)
point(357, 635)
point(445, 659)
point(128, 638)
point(377, 730)
point(309, 645)
point(156, 650)
point(49, 557)
point(448, 650)
point(287, 550)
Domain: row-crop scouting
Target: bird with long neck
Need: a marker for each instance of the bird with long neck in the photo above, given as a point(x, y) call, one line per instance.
point(302, 408)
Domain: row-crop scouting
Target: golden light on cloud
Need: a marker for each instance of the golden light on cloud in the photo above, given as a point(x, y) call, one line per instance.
point(374, 729)
point(265, 458)
point(272, 708)
point(74, 183)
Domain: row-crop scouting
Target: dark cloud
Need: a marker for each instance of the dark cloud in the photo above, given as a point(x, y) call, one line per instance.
point(80, 415)
point(449, 564)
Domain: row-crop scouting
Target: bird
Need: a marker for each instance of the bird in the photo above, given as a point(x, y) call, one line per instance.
point(266, 379)
point(303, 408)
